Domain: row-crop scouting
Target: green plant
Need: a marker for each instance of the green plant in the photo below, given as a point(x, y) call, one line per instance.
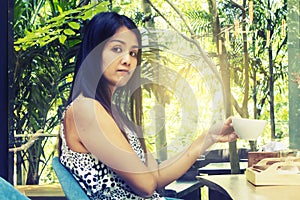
point(44, 53)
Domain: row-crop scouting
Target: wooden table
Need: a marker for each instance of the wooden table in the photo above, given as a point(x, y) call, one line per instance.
point(237, 187)
point(37, 192)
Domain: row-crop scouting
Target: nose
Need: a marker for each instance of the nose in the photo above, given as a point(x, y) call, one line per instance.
point(126, 59)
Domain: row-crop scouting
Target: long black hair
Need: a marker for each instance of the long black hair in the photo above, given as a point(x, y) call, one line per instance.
point(125, 104)
point(88, 79)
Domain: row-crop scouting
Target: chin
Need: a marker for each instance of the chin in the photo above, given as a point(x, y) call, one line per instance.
point(123, 81)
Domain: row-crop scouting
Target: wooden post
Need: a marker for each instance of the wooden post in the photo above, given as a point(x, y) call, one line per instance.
point(294, 63)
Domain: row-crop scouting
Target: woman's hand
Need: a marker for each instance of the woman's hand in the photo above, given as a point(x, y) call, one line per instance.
point(222, 132)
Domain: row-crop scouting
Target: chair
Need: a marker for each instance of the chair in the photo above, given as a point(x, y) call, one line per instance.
point(70, 186)
point(8, 192)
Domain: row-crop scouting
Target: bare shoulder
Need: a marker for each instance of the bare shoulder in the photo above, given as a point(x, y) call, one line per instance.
point(85, 109)
point(79, 115)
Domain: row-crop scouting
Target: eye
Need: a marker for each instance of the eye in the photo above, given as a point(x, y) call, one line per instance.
point(133, 53)
point(117, 49)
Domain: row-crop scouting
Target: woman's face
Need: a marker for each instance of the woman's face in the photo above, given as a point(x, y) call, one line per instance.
point(120, 57)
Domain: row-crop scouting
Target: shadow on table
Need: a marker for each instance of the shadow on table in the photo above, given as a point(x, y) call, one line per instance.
point(215, 191)
point(213, 156)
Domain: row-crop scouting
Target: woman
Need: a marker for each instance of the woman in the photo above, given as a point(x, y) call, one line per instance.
point(102, 144)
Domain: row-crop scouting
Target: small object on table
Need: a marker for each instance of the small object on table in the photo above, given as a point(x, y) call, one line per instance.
point(271, 171)
point(255, 157)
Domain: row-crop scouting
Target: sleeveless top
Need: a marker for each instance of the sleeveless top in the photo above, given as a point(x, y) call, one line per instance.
point(96, 178)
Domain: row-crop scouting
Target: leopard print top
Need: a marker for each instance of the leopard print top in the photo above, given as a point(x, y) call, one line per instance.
point(97, 179)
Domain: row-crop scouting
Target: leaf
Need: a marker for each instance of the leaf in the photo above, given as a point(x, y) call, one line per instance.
point(17, 48)
point(74, 25)
point(101, 7)
point(69, 32)
point(60, 10)
point(87, 15)
point(116, 9)
point(62, 39)
point(26, 32)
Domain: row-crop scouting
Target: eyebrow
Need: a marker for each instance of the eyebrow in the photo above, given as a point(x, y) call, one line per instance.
point(122, 42)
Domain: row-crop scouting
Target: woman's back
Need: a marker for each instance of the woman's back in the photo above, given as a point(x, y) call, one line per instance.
point(96, 178)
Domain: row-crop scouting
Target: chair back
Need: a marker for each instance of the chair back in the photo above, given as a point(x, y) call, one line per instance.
point(70, 186)
point(9, 192)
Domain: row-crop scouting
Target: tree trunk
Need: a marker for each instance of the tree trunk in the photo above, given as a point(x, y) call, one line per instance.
point(34, 154)
point(253, 144)
point(246, 64)
point(246, 73)
point(271, 93)
point(160, 131)
point(271, 80)
point(225, 73)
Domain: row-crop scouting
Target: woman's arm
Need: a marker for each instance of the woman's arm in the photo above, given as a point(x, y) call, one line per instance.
point(175, 167)
point(101, 136)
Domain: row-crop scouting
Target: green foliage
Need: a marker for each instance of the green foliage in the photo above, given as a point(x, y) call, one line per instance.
point(268, 16)
point(200, 21)
point(56, 27)
point(45, 47)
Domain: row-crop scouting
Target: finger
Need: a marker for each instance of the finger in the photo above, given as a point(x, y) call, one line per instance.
point(232, 137)
point(228, 137)
point(228, 121)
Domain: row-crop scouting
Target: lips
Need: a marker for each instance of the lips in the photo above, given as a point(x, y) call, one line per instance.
point(123, 71)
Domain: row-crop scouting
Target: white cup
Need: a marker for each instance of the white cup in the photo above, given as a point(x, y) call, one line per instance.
point(248, 129)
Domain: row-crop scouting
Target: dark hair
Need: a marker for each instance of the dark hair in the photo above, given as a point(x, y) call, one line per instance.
point(102, 26)
point(88, 79)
